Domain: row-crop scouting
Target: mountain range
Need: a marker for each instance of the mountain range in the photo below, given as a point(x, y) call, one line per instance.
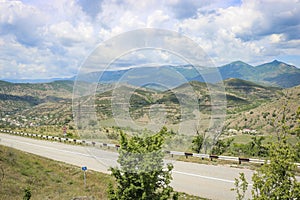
point(275, 73)
point(253, 103)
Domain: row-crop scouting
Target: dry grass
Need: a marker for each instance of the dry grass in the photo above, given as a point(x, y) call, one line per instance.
point(48, 179)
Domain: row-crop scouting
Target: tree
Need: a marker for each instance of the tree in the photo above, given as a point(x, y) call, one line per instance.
point(296, 131)
point(277, 179)
point(221, 146)
point(198, 141)
point(141, 174)
point(241, 186)
point(256, 147)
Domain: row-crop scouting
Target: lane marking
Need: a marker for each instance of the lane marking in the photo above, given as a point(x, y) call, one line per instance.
point(206, 177)
point(97, 158)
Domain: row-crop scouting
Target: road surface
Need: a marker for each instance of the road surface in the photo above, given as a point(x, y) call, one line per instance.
point(209, 181)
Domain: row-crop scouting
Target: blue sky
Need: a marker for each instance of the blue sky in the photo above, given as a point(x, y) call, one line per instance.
point(44, 39)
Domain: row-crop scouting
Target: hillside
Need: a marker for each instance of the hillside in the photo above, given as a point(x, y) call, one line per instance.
point(35, 104)
point(28, 105)
point(268, 114)
point(241, 96)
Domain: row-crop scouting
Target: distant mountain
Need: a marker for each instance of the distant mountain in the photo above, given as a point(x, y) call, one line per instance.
point(238, 70)
point(279, 73)
point(36, 80)
point(275, 73)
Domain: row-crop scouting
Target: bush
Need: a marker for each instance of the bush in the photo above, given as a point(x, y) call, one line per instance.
point(27, 194)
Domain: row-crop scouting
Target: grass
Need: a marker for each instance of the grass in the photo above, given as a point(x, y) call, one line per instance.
point(244, 138)
point(49, 179)
point(46, 179)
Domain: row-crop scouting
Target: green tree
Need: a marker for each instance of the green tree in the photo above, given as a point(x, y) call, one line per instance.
point(276, 180)
point(296, 131)
point(198, 141)
point(256, 147)
point(27, 194)
point(241, 186)
point(141, 174)
point(221, 146)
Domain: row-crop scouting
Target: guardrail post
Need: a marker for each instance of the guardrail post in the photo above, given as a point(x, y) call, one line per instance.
point(188, 154)
point(244, 160)
point(213, 156)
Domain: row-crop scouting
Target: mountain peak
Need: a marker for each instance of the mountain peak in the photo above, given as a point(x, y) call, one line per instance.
point(276, 62)
point(239, 62)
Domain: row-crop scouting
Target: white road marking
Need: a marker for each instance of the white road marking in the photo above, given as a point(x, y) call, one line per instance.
point(96, 157)
point(205, 177)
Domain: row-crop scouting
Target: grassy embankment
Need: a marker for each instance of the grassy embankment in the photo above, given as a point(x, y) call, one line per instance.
point(48, 179)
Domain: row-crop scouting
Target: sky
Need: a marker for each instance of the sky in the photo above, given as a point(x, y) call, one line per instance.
point(46, 39)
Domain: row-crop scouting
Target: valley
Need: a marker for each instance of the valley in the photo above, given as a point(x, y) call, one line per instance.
point(248, 108)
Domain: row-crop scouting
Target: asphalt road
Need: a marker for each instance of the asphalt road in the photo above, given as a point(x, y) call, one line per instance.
point(213, 182)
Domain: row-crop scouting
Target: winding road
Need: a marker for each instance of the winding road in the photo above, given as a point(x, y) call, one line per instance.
point(209, 181)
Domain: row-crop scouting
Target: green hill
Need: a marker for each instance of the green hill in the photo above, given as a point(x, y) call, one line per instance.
point(40, 103)
point(27, 105)
point(268, 113)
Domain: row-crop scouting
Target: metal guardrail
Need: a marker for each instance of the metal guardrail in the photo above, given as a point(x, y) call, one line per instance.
point(172, 153)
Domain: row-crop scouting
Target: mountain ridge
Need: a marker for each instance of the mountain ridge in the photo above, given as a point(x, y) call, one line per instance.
point(274, 73)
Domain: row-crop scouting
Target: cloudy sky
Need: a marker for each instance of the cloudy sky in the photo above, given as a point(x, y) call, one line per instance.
point(44, 39)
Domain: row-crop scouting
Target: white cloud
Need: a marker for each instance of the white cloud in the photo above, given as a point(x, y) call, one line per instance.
point(239, 32)
point(276, 38)
point(157, 19)
point(55, 37)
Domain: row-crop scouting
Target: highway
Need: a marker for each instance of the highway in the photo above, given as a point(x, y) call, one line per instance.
point(209, 181)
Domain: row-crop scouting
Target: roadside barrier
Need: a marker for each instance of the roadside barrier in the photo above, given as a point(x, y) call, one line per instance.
point(239, 160)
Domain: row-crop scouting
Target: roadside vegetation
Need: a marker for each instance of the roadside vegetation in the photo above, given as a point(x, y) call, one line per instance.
point(276, 179)
point(141, 174)
point(27, 176)
point(35, 177)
